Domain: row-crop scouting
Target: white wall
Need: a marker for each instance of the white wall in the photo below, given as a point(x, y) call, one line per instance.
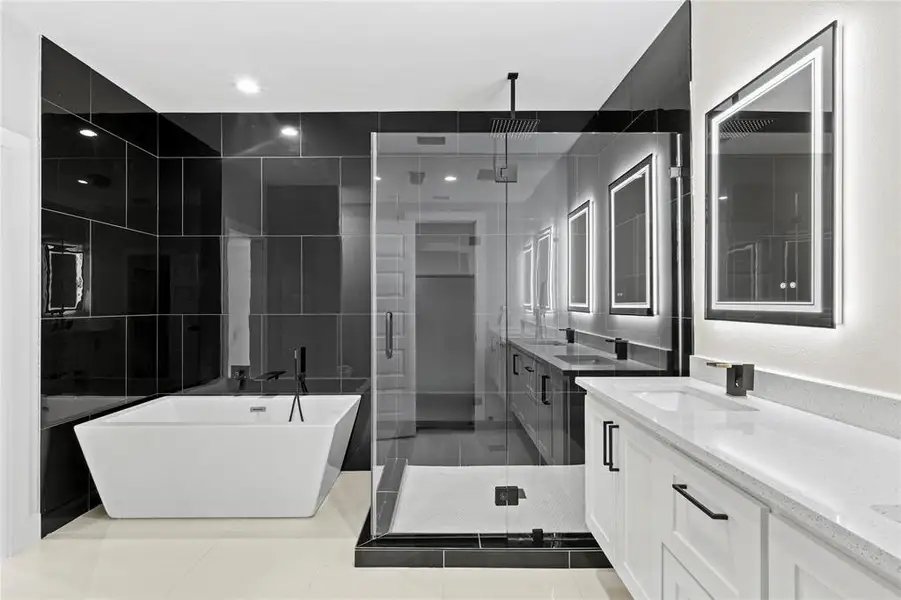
point(20, 271)
point(732, 42)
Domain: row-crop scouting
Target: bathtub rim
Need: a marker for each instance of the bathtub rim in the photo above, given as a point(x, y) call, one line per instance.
point(105, 421)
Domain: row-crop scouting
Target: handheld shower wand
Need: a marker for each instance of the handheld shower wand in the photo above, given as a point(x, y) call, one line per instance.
point(300, 381)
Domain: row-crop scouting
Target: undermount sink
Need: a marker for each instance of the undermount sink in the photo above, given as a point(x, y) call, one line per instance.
point(688, 399)
point(582, 359)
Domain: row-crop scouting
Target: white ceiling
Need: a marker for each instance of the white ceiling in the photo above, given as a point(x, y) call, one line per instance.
point(356, 56)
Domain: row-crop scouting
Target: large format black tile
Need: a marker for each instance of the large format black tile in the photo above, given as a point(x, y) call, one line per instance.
point(564, 120)
point(337, 134)
point(321, 269)
point(418, 122)
point(356, 274)
point(117, 111)
point(64, 477)
point(356, 345)
point(190, 134)
point(385, 557)
point(242, 196)
point(169, 362)
point(202, 196)
point(142, 182)
point(319, 333)
point(301, 196)
point(65, 80)
point(261, 134)
point(66, 264)
point(141, 334)
point(123, 271)
point(202, 337)
point(81, 175)
point(170, 196)
point(190, 275)
point(283, 275)
point(356, 195)
point(588, 559)
point(507, 559)
point(80, 357)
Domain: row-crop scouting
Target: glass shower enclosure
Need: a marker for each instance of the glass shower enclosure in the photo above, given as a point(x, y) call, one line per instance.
point(469, 245)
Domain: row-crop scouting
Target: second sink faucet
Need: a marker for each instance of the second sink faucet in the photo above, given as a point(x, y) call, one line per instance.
point(739, 378)
point(621, 347)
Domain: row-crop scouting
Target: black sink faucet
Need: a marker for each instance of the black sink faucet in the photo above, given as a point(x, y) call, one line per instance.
point(621, 347)
point(739, 378)
point(570, 335)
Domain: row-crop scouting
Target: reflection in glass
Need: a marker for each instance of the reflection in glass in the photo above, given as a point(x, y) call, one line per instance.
point(544, 269)
point(528, 279)
point(631, 241)
point(770, 191)
point(64, 279)
point(579, 257)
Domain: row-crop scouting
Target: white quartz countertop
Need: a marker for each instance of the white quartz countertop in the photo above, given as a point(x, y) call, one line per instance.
point(838, 481)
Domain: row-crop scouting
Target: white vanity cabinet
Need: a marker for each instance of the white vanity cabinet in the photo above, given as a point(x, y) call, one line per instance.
point(801, 568)
point(600, 481)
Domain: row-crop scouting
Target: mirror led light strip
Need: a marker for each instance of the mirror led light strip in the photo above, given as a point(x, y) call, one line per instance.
point(585, 210)
point(548, 235)
point(814, 60)
point(528, 267)
point(650, 200)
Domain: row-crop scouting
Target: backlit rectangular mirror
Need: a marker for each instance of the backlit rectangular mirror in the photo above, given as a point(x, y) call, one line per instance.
point(544, 269)
point(631, 199)
point(528, 277)
point(771, 193)
point(579, 258)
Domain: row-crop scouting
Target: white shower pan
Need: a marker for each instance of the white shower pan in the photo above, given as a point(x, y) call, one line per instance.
point(218, 456)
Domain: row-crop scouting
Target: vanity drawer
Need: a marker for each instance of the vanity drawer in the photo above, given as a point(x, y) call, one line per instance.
point(714, 529)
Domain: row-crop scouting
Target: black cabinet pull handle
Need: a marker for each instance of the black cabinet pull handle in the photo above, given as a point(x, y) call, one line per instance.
point(515, 370)
point(610, 440)
point(683, 491)
point(389, 334)
point(544, 399)
point(530, 369)
point(606, 460)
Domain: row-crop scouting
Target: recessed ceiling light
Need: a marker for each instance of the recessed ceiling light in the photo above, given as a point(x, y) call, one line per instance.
point(88, 133)
point(450, 178)
point(83, 181)
point(247, 85)
point(377, 178)
point(289, 131)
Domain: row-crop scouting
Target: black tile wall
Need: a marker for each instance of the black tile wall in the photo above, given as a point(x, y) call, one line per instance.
point(190, 275)
point(99, 325)
point(117, 111)
point(301, 196)
point(202, 196)
point(337, 134)
point(242, 196)
point(190, 134)
point(261, 134)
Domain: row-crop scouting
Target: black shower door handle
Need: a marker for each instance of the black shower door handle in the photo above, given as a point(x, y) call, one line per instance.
point(389, 334)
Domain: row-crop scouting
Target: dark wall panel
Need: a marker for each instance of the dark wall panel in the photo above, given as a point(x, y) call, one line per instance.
point(99, 267)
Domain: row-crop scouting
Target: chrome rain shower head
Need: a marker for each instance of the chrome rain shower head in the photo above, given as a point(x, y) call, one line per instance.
point(513, 128)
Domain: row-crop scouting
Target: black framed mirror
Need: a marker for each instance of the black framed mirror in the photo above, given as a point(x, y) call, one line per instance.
point(578, 258)
point(632, 248)
point(772, 202)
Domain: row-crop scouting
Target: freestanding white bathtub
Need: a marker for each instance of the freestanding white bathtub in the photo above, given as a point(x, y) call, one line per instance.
point(212, 456)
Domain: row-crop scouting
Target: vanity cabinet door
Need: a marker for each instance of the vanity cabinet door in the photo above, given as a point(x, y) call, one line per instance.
point(544, 401)
point(600, 482)
point(639, 536)
point(678, 584)
point(801, 568)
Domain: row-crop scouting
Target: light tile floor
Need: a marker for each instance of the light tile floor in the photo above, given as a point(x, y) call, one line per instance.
point(99, 558)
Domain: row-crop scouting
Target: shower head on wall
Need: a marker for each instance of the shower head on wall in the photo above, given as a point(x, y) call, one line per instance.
point(512, 127)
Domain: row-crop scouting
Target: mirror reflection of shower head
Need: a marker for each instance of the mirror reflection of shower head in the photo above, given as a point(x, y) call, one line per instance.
point(512, 127)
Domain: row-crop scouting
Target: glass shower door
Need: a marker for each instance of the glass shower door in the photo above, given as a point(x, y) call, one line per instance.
point(439, 325)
